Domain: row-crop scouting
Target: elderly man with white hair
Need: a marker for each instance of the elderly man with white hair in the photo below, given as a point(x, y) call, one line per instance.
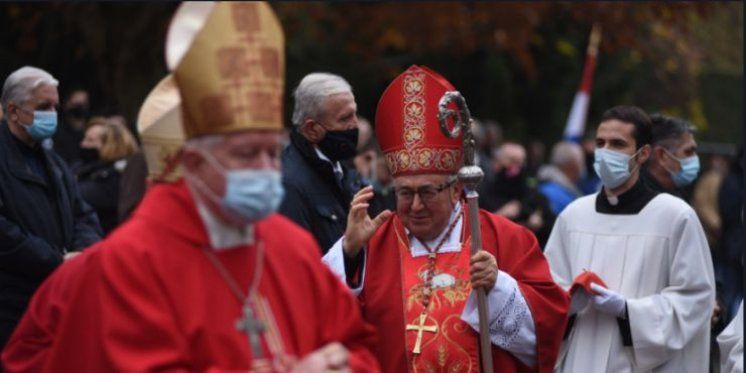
point(319, 183)
point(559, 180)
point(43, 218)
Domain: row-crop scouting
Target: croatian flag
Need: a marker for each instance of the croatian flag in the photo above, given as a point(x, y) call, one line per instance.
point(575, 126)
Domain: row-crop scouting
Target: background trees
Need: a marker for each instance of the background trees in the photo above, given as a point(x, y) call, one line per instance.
point(517, 63)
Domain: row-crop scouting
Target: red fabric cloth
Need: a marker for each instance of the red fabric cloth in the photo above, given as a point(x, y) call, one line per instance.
point(445, 306)
point(584, 280)
point(517, 253)
point(407, 125)
point(147, 298)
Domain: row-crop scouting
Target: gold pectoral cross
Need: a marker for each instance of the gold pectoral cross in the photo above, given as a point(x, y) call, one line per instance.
point(420, 329)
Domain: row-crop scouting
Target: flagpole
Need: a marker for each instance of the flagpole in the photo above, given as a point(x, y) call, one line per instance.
point(575, 126)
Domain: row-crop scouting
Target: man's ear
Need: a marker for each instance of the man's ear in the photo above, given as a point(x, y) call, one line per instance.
point(12, 111)
point(645, 153)
point(458, 190)
point(312, 130)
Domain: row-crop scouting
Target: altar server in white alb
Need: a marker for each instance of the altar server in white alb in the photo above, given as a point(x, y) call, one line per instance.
point(636, 263)
point(731, 345)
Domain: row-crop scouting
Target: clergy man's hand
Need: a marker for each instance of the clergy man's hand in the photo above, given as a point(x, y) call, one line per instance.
point(360, 227)
point(483, 270)
point(333, 357)
point(607, 301)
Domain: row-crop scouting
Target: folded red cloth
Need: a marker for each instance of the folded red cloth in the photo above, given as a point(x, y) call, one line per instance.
point(584, 280)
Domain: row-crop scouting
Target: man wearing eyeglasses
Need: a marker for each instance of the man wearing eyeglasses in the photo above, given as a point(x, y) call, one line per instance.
point(43, 218)
point(412, 270)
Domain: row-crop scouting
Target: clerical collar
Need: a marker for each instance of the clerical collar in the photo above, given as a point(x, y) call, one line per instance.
point(452, 243)
point(628, 203)
point(336, 166)
point(221, 235)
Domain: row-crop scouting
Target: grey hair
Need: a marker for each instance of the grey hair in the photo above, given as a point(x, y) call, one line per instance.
point(207, 142)
point(565, 152)
point(21, 83)
point(668, 131)
point(311, 93)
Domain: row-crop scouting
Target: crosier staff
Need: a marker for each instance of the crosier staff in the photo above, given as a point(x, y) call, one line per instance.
point(470, 175)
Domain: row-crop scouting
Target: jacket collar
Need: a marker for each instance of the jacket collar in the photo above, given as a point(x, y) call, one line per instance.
point(17, 163)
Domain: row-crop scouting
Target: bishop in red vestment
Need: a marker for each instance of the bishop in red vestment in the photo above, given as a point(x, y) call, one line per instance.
point(204, 276)
point(148, 298)
point(413, 271)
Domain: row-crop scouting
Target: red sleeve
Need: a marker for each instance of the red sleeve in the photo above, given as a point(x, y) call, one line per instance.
point(520, 256)
point(29, 347)
point(342, 320)
point(97, 323)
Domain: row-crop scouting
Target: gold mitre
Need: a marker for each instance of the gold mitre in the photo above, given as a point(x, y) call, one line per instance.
point(161, 133)
point(228, 60)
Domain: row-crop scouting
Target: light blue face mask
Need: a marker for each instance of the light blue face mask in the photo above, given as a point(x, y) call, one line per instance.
point(612, 167)
point(44, 125)
point(250, 195)
point(689, 170)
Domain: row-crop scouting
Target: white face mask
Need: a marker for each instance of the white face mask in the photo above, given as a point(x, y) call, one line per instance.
point(612, 167)
point(250, 195)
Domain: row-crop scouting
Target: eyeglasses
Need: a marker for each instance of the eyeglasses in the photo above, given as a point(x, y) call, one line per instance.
point(427, 193)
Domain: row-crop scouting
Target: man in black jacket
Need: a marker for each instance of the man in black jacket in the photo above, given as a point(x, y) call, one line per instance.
point(319, 184)
point(43, 219)
point(673, 164)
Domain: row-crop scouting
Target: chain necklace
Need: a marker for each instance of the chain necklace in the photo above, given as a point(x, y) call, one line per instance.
point(431, 258)
point(248, 323)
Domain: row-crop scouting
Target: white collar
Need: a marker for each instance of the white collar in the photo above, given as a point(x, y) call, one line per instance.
point(452, 244)
point(335, 165)
point(221, 235)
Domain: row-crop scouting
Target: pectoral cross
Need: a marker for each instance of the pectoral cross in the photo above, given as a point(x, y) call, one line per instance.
point(253, 327)
point(420, 329)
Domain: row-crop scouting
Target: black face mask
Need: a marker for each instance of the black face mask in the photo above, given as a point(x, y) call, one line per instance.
point(78, 111)
point(88, 155)
point(511, 185)
point(339, 145)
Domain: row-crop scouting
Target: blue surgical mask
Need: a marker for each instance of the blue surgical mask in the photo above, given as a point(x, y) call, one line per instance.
point(689, 170)
point(612, 167)
point(250, 195)
point(44, 125)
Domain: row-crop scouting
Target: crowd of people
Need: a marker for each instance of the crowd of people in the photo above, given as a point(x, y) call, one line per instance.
point(334, 243)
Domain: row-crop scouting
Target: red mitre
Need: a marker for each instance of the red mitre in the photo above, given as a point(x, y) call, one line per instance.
point(407, 125)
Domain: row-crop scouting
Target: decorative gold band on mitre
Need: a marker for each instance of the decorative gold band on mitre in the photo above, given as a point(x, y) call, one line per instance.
point(233, 74)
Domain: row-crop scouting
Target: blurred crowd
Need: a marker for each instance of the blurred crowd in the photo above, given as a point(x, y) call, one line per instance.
point(522, 182)
point(527, 183)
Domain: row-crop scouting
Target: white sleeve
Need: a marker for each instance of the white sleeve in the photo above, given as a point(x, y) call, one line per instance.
point(335, 260)
point(662, 323)
point(731, 344)
point(511, 324)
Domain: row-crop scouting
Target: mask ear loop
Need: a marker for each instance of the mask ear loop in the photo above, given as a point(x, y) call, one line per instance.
point(216, 199)
point(637, 165)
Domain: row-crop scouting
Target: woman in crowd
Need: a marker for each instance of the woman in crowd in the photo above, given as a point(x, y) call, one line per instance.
point(104, 152)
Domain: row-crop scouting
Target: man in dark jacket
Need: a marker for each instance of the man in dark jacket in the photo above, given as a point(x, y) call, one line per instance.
point(674, 164)
point(319, 184)
point(43, 219)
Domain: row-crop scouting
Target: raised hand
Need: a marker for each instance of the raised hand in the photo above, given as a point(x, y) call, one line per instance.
point(360, 227)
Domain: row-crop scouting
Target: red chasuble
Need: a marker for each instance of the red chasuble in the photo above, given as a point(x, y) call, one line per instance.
point(393, 289)
point(148, 298)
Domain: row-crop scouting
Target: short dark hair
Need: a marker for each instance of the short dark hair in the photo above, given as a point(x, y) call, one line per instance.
point(667, 131)
point(635, 116)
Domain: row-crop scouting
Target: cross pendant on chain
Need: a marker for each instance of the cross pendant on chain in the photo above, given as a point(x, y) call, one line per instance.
point(420, 329)
point(253, 327)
